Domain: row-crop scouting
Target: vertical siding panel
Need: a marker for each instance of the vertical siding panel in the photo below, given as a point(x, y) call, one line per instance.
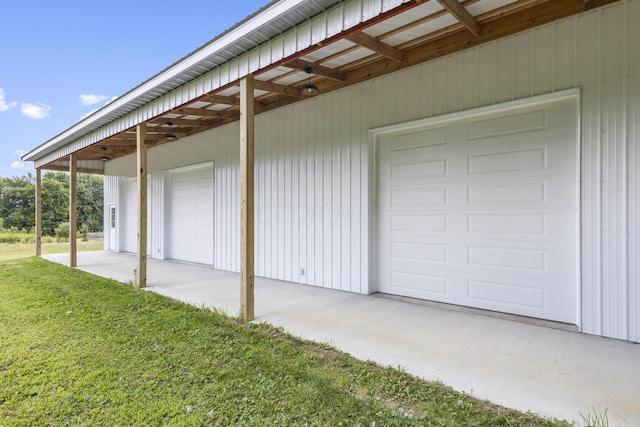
point(633, 126)
point(564, 54)
point(425, 76)
point(311, 161)
point(454, 78)
point(504, 70)
point(469, 79)
point(284, 219)
point(486, 79)
point(358, 134)
point(294, 237)
point(589, 79)
point(367, 217)
point(613, 169)
point(543, 60)
point(412, 89)
point(337, 118)
point(326, 201)
point(522, 65)
point(346, 142)
point(439, 87)
point(301, 209)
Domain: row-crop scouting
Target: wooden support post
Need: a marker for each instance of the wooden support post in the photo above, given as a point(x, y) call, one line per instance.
point(246, 198)
point(73, 211)
point(38, 212)
point(141, 265)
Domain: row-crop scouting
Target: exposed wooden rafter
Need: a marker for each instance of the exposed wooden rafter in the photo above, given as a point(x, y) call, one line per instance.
point(205, 112)
point(375, 45)
point(316, 69)
point(276, 88)
point(218, 99)
point(462, 15)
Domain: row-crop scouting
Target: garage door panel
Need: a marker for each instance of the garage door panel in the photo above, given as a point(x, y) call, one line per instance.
point(551, 192)
point(541, 260)
point(192, 215)
point(550, 225)
point(527, 297)
point(484, 213)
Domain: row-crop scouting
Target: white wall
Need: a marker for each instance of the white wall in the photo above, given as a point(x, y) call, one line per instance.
point(312, 158)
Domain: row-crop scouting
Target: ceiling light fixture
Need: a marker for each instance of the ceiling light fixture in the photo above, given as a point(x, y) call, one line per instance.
point(309, 89)
point(104, 158)
point(170, 136)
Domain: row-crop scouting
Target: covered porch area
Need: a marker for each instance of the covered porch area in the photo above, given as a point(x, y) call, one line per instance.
point(553, 372)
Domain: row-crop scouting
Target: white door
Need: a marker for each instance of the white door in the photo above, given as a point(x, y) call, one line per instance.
point(131, 217)
point(191, 233)
point(482, 211)
point(112, 227)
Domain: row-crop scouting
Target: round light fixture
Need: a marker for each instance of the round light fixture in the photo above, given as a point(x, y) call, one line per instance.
point(309, 89)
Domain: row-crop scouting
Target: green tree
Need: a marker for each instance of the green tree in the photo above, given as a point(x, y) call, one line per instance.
point(90, 201)
point(55, 201)
point(17, 202)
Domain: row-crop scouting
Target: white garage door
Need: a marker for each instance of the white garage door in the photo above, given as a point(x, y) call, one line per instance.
point(192, 215)
point(131, 215)
point(482, 210)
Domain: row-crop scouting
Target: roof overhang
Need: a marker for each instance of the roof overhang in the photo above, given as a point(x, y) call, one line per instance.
point(287, 44)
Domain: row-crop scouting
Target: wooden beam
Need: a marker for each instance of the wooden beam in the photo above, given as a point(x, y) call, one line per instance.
point(219, 99)
point(372, 43)
point(73, 210)
point(167, 123)
point(38, 212)
point(141, 150)
point(79, 170)
point(316, 69)
point(462, 15)
point(205, 112)
point(246, 198)
point(276, 88)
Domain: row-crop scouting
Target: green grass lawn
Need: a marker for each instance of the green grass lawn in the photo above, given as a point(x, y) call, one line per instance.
point(76, 349)
point(21, 250)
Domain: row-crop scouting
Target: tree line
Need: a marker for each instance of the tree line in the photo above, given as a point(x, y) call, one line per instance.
point(17, 202)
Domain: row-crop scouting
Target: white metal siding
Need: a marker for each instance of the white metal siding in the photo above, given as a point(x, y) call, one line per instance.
point(309, 151)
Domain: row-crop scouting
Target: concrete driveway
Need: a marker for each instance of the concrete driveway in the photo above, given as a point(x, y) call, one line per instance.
point(553, 372)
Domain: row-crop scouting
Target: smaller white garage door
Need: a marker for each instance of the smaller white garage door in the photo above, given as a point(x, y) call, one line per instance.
point(192, 215)
point(131, 215)
point(482, 210)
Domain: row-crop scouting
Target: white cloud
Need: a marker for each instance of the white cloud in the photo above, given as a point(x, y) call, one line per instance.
point(4, 105)
point(87, 114)
point(18, 165)
point(19, 153)
point(36, 110)
point(91, 99)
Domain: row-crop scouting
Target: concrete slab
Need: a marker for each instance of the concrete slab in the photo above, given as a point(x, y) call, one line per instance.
point(552, 372)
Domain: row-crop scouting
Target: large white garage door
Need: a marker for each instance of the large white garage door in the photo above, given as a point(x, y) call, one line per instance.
point(131, 215)
point(192, 215)
point(482, 210)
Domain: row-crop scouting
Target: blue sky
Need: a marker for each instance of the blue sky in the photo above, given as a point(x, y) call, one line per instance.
point(62, 59)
